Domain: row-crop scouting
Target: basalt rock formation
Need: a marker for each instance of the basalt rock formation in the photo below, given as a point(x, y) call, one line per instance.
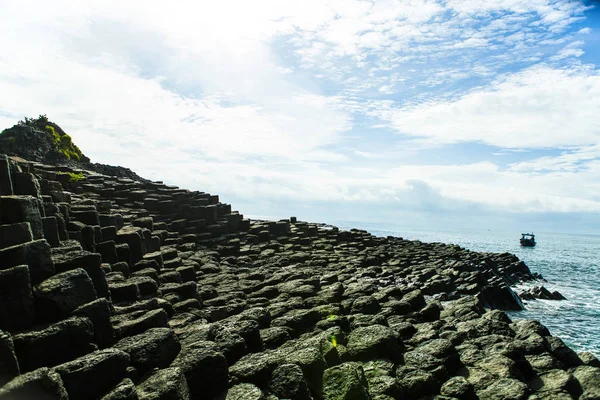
point(114, 288)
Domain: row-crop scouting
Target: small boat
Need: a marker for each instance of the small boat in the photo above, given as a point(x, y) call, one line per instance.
point(527, 239)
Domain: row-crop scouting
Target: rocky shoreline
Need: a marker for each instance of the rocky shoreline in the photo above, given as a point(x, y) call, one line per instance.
point(115, 288)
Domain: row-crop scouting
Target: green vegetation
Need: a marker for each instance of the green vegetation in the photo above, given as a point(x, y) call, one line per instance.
point(73, 177)
point(55, 136)
point(62, 141)
point(38, 123)
point(67, 147)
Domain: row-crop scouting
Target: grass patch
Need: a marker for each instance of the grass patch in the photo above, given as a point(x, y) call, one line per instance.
point(73, 177)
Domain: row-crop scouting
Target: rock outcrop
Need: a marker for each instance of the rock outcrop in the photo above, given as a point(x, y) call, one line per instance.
point(116, 288)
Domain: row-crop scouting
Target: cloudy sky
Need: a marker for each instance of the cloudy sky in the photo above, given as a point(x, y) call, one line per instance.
point(456, 113)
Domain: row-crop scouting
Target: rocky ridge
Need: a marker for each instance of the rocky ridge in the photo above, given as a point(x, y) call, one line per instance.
point(115, 288)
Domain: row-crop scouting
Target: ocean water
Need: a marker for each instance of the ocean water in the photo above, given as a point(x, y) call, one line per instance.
point(569, 262)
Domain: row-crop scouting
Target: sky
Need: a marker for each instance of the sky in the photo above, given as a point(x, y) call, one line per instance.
point(413, 113)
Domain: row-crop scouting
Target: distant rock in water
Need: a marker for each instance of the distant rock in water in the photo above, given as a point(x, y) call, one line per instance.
point(41, 140)
point(540, 292)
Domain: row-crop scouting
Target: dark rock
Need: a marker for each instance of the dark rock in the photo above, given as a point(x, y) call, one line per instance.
point(371, 342)
point(415, 383)
point(588, 378)
point(589, 359)
point(125, 291)
point(232, 345)
point(9, 366)
point(124, 390)
point(25, 184)
point(256, 367)
point(36, 255)
point(42, 383)
point(298, 320)
point(458, 387)
point(14, 234)
point(504, 389)
point(155, 348)
point(50, 225)
point(6, 186)
point(165, 384)
point(563, 353)
point(415, 299)
point(132, 236)
point(54, 344)
point(99, 312)
point(500, 297)
point(15, 209)
point(243, 391)
point(17, 310)
point(108, 251)
point(59, 295)
point(287, 382)
point(151, 319)
point(90, 262)
point(94, 374)
point(204, 367)
point(345, 381)
point(274, 337)
point(365, 305)
point(540, 292)
point(555, 380)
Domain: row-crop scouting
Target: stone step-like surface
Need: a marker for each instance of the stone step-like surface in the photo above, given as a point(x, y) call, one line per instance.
point(205, 304)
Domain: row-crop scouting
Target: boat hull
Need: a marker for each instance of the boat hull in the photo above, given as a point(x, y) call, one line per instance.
point(527, 243)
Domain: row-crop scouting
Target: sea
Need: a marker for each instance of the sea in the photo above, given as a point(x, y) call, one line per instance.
point(569, 262)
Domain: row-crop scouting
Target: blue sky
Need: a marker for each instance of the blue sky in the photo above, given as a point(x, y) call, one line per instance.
point(449, 112)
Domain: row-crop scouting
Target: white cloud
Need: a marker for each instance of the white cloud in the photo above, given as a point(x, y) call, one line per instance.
point(539, 107)
point(257, 99)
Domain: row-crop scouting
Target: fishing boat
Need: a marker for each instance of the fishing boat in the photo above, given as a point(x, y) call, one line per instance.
point(527, 239)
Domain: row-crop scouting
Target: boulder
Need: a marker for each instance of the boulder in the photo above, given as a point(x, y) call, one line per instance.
point(61, 294)
point(504, 389)
point(124, 390)
point(15, 209)
point(54, 344)
point(415, 382)
point(6, 186)
point(43, 383)
point(14, 234)
point(25, 183)
point(244, 391)
point(36, 255)
point(99, 312)
point(204, 367)
point(9, 366)
point(90, 262)
point(94, 374)
point(132, 236)
point(562, 353)
point(345, 382)
point(165, 384)
point(287, 382)
point(371, 342)
point(155, 348)
point(151, 319)
point(50, 225)
point(458, 387)
point(17, 310)
point(588, 378)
